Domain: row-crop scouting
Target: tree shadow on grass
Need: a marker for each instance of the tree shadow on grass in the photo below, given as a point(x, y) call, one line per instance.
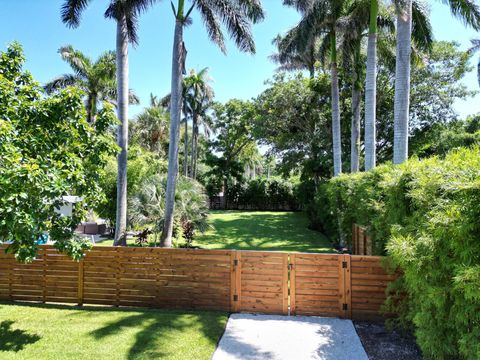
point(155, 330)
point(14, 339)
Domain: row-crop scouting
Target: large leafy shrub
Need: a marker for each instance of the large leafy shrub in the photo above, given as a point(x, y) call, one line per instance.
point(147, 207)
point(47, 150)
point(425, 216)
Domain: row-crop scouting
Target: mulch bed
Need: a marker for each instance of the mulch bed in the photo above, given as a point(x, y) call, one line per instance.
point(382, 344)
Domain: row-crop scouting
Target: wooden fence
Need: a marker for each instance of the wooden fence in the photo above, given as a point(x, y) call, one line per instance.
point(361, 242)
point(229, 280)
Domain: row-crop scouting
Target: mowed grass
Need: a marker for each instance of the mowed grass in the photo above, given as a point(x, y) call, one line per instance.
point(280, 231)
point(65, 332)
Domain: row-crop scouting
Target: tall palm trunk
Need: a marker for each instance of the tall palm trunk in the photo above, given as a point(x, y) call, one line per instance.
point(371, 90)
point(193, 165)
point(336, 135)
point(90, 109)
point(185, 147)
point(355, 132)
point(402, 83)
point(176, 103)
point(122, 132)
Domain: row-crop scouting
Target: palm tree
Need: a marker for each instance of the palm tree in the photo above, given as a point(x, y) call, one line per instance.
point(151, 128)
point(125, 13)
point(199, 98)
point(96, 79)
point(476, 47)
point(237, 15)
point(466, 10)
point(292, 60)
point(320, 18)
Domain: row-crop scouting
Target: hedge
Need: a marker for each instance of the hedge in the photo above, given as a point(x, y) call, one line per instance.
point(425, 215)
point(263, 194)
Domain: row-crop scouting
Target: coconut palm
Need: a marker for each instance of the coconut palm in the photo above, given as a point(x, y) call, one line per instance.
point(469, 12)
point(237, 15)
point(125, 13)
point(96, 79)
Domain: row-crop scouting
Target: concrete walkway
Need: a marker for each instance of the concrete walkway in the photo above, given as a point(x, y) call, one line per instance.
point(249, 337)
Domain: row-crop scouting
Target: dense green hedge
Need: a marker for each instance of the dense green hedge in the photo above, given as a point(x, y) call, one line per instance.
point(426, 216)
point(263, 194)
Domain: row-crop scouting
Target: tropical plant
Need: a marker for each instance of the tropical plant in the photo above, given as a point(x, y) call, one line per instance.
point(191, 204)
point(47, 150)
point(237, 15)
point(150, 129)
point(125, 13)
point(96, 79)
point(466, 10)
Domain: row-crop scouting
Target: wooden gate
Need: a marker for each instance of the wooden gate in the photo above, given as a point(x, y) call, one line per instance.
point(260, 282)
point(320, 284)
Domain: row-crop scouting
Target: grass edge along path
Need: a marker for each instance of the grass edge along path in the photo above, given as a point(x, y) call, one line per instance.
point(38, 331)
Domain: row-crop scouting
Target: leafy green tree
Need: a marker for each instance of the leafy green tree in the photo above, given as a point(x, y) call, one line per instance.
point(125, 13)
point(142, 164)
point(233, 122)
point(237, 15)
point(96, 79)
point(47, 150)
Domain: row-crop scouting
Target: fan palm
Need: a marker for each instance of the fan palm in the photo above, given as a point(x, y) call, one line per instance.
point(96, 79)
point(466, 10)
point(125, 13)
point(237, 15)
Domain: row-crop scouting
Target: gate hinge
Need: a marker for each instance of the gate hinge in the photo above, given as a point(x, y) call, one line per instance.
point(235, 262)
point(344, 306)
point(344, 264)
point(235, 297)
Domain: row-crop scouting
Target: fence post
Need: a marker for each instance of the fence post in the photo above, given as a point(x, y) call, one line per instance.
point(348, 286)
point(292, 284)
point(80, 282)
point(117, 275)
point(286, 268)
point(344, 287)
point(43, 251)
point(235, 280)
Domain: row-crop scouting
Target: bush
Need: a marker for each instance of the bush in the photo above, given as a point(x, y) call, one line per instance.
point(191, 207)
point(262, 194)
point(425, 216)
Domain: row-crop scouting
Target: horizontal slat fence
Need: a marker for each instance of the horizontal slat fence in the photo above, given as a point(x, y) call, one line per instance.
point(229, 280)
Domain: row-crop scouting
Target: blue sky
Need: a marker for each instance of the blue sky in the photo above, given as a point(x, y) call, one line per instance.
point(36, 25)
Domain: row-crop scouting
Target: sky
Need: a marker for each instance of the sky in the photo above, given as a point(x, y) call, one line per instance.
point(37, 26)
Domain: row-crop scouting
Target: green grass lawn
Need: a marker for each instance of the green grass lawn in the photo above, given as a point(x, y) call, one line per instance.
point(65, 332)
point(285, 231)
